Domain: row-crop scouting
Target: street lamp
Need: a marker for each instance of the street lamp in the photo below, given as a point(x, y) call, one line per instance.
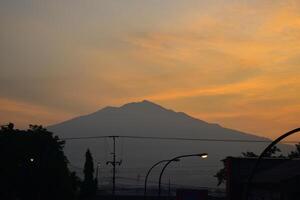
point(146, 178)
point(202, 155)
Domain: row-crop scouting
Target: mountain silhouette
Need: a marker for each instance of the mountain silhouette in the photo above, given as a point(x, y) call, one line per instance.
point(147, 119)
point(144, 119)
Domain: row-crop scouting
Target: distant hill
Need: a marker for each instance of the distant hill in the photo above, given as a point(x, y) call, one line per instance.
point(149, 119)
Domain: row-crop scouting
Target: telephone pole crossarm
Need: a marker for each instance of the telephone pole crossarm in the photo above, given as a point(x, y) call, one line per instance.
point(114, 163)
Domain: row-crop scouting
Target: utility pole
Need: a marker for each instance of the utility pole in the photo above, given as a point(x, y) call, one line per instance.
point(97, 174)
point(169, 189)
point(113, 163)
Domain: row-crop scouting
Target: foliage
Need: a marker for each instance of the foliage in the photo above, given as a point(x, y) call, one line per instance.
point(249, 154)
point(76, 182)
point(273, 153)
point(89, 184)
point(221, 174)
point(296, 153)
point(33, 165)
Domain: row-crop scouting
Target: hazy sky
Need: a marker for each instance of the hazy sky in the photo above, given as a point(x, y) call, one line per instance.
point(233, 62)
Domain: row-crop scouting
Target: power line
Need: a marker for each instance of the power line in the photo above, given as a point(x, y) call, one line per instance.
point(88, 137)
point(193, 139)
point(176, 138)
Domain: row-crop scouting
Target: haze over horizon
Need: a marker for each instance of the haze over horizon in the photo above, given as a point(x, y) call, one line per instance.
point(235, 63)
point(154, 127)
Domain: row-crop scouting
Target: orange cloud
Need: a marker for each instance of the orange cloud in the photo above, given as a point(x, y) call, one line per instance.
point(236, 63)
point(23, 114)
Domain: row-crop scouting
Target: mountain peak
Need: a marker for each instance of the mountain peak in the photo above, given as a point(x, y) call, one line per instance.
point(145, 104)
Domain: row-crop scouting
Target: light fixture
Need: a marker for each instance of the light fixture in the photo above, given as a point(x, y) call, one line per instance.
point(203, 155)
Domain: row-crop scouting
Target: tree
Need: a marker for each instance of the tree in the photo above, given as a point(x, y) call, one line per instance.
point(33, 165)
point(296, 153)
point(221, 174)
point(76, 182)
point(88, 188)
point(249, 154)
point(273, 153)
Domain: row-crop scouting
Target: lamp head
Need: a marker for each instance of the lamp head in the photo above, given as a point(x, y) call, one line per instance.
point(203, 155)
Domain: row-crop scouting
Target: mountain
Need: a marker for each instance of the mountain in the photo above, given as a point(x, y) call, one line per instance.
point(151, 120)
point(144, 119)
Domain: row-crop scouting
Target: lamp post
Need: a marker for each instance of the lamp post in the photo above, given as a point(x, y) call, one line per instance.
point(267, 149)
point(202, 155)
point(97, 170)
point(97, 173)
point(146, 178)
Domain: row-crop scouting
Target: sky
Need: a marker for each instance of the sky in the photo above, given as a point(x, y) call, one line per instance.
point(232, 62)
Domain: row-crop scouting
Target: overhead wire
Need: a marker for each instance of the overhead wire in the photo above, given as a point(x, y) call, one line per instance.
point(177, 138)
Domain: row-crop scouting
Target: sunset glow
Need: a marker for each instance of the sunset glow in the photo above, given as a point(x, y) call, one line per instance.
point(236, 63)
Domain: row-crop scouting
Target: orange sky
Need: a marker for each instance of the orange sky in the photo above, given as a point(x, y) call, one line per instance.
point(230, 62)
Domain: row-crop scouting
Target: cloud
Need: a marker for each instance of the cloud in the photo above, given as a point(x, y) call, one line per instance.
point(255, 52)
point(23, 113)
point(233, 62)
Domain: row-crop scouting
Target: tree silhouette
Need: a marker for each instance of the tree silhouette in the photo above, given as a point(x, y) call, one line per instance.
point(249, 154)
point(295, 154)
point(221, 175)
point(76, 182)
point(88, 187)
point(33, 165)
point(273, 153)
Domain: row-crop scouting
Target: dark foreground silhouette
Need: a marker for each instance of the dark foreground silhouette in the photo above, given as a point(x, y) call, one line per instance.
point(33, 165)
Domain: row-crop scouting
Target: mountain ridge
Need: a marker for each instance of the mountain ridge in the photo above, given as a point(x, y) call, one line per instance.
point(147, 107)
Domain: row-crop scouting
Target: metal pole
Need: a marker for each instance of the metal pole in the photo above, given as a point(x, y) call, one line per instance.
point(97, 171)
point(114, 166)
point(146, 178)
point(97, 174)
point(169, 189)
